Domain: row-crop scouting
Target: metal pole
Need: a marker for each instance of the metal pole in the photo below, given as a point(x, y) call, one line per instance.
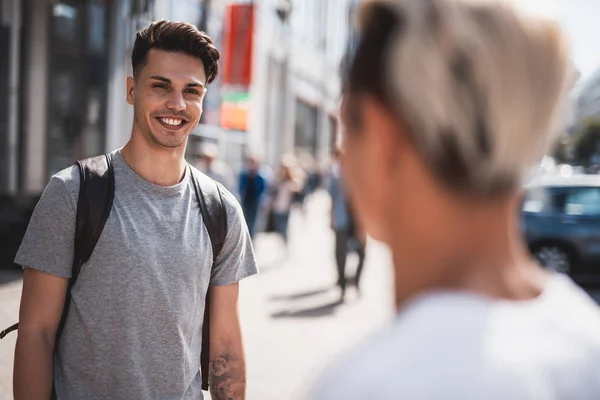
point(204, 18)
point(13, 100)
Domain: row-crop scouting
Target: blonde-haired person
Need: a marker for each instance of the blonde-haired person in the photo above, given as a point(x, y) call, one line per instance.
point(447, 104)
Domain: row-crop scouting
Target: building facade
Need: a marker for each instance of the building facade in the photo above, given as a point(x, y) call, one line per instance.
point(60, 62)
point(64, 64)
point(298, 48)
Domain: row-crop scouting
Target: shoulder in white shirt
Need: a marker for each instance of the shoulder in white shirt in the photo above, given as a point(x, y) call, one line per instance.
point(459, 346)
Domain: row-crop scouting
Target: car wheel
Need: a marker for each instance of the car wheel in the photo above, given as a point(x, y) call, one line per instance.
point(554, 258)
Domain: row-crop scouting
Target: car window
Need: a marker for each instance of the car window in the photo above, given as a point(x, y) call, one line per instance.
point(543, 200)
point(584, 202)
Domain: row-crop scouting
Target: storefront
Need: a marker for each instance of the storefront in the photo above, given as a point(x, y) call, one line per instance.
point(306, 127)
point(77, 85)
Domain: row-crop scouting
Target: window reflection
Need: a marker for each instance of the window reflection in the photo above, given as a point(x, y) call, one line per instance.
point(96, 32)
point(65, 21)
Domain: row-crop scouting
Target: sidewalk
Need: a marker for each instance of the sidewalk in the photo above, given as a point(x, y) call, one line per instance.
point(10, 296)
point(292, 326)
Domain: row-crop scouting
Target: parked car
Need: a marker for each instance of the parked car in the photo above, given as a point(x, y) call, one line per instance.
point(561, 222)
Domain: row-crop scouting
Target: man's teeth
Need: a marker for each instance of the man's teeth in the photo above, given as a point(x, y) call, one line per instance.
point(171, 121)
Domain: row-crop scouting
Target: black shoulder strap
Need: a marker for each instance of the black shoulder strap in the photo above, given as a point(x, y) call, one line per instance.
point(96, 194)
point(214, 215)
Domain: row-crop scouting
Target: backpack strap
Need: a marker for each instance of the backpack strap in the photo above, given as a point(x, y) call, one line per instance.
point(214, 215)
point(96, 194)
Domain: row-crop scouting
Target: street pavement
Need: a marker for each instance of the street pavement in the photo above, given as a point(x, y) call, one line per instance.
point(293, 325)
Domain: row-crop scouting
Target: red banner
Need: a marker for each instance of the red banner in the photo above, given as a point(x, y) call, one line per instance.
point(238, 43)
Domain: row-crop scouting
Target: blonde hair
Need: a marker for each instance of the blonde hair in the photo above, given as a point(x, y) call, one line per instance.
point(478, 82)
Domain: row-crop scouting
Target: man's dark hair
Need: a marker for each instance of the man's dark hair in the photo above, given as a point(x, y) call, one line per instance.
point(178, 37)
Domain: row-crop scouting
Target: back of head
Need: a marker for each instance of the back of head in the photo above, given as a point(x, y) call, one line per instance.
point(480, 85)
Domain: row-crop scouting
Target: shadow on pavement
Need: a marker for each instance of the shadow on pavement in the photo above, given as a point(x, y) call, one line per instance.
point(301, 295)
point(313, 312)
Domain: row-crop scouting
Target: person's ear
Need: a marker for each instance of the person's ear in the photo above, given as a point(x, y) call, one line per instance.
point(130, 90)
point(384, 133)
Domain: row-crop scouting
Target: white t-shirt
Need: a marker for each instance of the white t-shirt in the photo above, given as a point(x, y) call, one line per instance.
point(459, 346)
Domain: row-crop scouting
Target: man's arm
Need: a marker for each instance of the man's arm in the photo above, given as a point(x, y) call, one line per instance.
point(42, 303)
point(227, 361)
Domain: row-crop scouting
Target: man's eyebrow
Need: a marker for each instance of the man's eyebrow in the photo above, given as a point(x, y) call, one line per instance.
point(161, 78)
point(167, 80)
point(195, 84)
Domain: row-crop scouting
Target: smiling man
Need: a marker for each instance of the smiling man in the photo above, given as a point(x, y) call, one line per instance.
point(134, 327)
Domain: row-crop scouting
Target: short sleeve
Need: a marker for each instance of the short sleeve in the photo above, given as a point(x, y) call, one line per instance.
point(48, 242)
point(236, 260)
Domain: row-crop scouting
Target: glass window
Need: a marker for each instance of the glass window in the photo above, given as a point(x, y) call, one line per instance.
point(96, 32)
point(584, 202)
point(541, 199)
point(65, 22)
point(306, 127)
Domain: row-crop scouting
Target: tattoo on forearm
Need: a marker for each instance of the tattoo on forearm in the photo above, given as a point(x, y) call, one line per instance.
point(227, 378)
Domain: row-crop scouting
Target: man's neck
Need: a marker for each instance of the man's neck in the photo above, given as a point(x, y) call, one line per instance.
point(161, 166)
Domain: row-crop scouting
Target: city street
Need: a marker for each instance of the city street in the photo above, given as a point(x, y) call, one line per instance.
point(292, 325)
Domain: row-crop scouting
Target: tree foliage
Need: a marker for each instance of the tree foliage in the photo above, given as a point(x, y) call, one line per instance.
point(587, 143)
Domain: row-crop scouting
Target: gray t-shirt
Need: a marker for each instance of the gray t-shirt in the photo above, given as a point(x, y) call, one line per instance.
point(134, 329)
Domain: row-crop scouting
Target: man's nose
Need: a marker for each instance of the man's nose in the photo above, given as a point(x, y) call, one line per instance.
point(176, 102)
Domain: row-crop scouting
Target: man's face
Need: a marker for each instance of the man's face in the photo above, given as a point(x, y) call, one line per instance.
point(167, 96)
point(253, 165)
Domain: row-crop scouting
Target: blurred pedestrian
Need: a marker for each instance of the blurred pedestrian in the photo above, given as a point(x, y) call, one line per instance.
point(252, 189)
point(216, 169)
point(283, 190)
point(446, 105)
point(310, 180)
point(134, 330)
point(348, 237)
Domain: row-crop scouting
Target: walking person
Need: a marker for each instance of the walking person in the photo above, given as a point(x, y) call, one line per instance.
point(348, 236)
point(136, 316)
point(253, 186)
point(283, 191)
point(447, 103)
point(214, 168)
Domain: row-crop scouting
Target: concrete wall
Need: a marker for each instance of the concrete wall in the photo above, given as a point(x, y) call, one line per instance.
point(119, 113)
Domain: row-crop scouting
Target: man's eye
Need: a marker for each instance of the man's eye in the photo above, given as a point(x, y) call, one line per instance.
point(193, 91)
point(159, 86)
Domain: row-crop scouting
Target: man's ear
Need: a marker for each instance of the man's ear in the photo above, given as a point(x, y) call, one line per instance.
point(130, 90)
